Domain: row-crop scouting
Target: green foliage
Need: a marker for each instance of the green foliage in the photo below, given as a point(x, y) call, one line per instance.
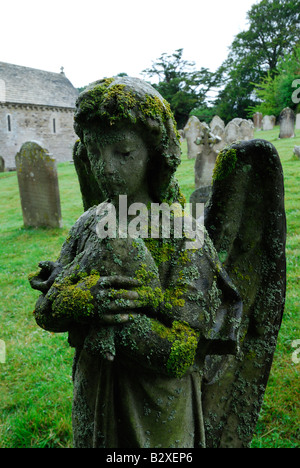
point(180, 84)
point(273, 32)
point(276, 91)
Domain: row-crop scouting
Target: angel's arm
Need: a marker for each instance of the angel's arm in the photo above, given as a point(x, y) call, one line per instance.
point(197, 314)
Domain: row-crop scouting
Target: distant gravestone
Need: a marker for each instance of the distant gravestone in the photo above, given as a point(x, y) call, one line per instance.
point(200, 196)
point(268, 122)
point(192, 131)
point(297, 151)
point(2, 164)
point(217, 122)
point(298, 122)
point(217, 127)
point(206, 158)
point(38, 186)
point(257, 120)
point(287, 120)
point(239, 130)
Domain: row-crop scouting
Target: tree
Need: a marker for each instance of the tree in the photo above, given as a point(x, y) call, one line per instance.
point(275, 92)
point(274, 30)
point(180, 83)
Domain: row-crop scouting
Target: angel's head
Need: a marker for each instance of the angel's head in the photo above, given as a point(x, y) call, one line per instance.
point(127, 117)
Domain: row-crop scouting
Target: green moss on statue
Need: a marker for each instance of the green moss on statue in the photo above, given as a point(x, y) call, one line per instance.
point(74, 298)
point(225, 164)
point(184, 345)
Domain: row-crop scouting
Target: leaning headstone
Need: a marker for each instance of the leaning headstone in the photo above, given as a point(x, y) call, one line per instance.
point(206, 158)
point(298, 122)
point(287, 120)
point(38, 186)
point(2, 164)
point(297, 151)
point(268, 122)
point(192, 131)
point(257, 120)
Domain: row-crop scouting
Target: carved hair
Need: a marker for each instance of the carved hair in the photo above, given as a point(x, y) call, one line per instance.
point(125, 101)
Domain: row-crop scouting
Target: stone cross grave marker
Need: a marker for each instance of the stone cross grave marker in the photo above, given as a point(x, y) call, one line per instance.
point(206, 158)
point(38, 186)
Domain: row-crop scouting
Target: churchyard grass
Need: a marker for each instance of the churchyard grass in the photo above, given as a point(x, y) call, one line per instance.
point(35, 380)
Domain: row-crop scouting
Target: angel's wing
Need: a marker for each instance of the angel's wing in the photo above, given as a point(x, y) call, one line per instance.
point(245, 219)
point(90, 191)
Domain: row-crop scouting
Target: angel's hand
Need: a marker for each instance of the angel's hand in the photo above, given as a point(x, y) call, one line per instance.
point(116, 300)
point(46, 277)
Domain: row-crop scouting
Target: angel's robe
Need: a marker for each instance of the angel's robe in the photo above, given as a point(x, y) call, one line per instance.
point(150, 394)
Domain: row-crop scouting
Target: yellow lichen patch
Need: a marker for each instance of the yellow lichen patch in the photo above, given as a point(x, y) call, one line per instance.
point(184, 345)
point(74, 299)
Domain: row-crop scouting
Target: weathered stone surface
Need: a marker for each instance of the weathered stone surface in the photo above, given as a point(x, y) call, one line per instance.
point(36, 105)
point(218, 123)
point(287, 123)
point(297, 151)
point(257, 120)
point(192, 131)
point(38, 186)
point(268, 122)
point(298, 122)
point(206, 157)
point(238, 130)
point(172, 350)
point(200, 196)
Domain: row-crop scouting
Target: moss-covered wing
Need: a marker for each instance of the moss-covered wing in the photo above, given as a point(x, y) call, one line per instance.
point(245, 219)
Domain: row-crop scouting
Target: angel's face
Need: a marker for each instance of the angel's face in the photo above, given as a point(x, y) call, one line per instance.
point(119, 163)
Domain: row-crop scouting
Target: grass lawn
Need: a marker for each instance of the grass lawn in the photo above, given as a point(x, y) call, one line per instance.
point(35, 380)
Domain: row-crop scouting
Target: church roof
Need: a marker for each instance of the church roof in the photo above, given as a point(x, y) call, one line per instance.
point(24, 85)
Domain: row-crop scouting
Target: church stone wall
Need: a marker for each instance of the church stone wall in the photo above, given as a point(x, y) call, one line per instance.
point(51, 127)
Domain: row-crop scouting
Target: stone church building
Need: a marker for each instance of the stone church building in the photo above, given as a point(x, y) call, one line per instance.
point(35, 105)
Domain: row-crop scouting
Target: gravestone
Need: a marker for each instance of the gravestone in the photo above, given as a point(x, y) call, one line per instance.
point(181, 134)
point(206, 157)
point(298, 122)
point(297, 151)
point(2, 164)
point(217, 127)
point(268, 122)
point(199, 196)
point(38, 186)
point(257, 120)
point(287, 123)
point(238, 129)
point(217, 122)
point(192, 130)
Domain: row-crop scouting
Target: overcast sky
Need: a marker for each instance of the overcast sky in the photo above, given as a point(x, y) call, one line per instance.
point(95, 39)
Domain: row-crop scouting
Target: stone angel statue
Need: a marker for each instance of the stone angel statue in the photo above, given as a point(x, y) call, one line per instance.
point(173, 334)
